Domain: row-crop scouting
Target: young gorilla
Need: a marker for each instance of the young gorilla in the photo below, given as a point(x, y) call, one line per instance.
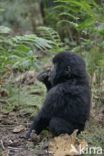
point(67, 104)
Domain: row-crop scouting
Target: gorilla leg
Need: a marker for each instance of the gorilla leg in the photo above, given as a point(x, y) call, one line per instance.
point(59, 126)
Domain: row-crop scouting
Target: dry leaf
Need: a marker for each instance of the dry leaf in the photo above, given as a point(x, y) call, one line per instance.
point(65, 145)
point(18, 129)
point(82, 145)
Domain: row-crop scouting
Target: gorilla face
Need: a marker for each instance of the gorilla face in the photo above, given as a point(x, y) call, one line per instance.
point(58, 76)
point(66, 67)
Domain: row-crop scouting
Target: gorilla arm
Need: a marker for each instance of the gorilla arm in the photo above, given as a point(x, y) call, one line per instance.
point(44, 78)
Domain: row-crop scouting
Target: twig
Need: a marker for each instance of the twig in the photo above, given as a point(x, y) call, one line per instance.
point(2, 145)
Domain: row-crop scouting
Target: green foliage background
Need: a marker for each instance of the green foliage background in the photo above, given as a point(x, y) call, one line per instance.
point(26, 43)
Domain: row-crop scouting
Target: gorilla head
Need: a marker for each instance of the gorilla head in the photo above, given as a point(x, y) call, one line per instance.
point(67, 66)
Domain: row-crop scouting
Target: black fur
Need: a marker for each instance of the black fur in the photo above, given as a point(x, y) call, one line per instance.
point(67, 104)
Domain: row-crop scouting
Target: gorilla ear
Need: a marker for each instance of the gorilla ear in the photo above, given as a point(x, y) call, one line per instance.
point(68, 71)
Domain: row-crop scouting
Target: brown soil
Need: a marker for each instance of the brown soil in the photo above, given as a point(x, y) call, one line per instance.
point(13, 144)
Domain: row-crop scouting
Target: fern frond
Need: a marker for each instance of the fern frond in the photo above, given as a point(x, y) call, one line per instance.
point(50, 34)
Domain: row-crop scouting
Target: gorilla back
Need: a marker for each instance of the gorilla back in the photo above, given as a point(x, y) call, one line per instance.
point(67, 104)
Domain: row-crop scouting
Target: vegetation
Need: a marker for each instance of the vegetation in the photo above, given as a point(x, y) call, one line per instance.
point(26, 44)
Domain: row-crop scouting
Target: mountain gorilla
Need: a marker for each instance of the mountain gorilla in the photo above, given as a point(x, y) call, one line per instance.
point(67, 104)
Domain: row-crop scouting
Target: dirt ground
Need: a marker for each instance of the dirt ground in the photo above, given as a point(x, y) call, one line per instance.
point(13, 144)
point(13, 127)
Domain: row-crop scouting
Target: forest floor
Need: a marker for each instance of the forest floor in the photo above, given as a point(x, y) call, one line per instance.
point(13, 144)
point(18, 105)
